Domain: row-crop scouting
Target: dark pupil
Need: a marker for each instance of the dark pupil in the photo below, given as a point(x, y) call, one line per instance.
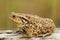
point(13, 16)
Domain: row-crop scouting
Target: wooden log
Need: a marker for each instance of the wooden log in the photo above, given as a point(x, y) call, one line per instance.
point(10, 35)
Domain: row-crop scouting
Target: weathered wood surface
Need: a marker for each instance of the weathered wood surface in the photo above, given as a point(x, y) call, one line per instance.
point(9, 35)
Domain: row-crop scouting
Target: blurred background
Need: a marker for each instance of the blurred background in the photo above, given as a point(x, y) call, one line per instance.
point(43, 8)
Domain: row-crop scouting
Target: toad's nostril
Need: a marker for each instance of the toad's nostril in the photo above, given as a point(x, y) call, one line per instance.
point(13, 16)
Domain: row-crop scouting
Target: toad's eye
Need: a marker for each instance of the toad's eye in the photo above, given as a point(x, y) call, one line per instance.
point(13, 16)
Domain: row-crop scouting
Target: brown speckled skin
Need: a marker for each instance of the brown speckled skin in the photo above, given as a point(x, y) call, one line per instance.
point(33, 24)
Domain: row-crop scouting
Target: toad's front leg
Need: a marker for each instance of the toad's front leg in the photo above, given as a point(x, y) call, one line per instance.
point(19, 30)
point(29, 33)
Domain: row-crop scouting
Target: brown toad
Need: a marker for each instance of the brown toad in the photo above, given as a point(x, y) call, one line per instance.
point(33, 25)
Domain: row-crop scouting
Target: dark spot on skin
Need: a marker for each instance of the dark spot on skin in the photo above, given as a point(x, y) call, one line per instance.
point(26, 27)
point(13, 16)
point(24, 31)
point(21, 32)
point(24, 19)
point(43, 33)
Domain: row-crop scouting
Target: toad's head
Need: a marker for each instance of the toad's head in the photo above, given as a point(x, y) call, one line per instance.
point(18, 18)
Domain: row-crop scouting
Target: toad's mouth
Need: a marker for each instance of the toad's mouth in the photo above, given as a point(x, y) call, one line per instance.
point(16, 21)
point(12, 19)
